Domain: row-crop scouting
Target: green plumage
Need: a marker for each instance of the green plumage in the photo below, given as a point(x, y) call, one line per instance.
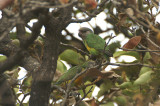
point(71, 73)
point(95, 45)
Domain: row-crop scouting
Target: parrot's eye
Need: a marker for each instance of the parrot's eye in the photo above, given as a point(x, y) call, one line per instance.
point(83, 31)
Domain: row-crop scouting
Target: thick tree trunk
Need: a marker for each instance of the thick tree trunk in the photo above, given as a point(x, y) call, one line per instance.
point(42, 78)
point(41, 85)
point(7, 97)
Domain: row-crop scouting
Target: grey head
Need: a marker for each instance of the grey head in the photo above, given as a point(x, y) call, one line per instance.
point(84, 31)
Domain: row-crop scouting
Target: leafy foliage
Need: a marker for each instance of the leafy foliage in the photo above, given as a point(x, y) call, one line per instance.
point(47, 57)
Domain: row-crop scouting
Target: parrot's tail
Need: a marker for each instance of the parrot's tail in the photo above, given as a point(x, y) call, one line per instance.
point(58, 83)
point(108, 53)
point(107, 58)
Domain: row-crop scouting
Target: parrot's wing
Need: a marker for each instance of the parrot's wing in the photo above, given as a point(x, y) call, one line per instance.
point(69, 74)
point(95, 41)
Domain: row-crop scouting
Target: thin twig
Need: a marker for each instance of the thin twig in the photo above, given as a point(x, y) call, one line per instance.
point(15, 59)
point(59, 88)
point(126, 65)
point(90, 15)
point(111, 37)
point(84, 96)
point(140, 50)
point(79, 50)
point(149, 49)
point(69, 86)
point(147, 37)
point(25, 95)
point(106, 44)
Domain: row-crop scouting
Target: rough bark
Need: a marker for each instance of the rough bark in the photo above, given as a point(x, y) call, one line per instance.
point(42, 78)
point(7, 97)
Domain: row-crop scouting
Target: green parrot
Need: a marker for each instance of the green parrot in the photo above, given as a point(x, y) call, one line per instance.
point(94, 43)
point(73, 71)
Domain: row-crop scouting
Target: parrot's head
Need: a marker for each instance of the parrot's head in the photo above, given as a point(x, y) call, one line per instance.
point(84, 31)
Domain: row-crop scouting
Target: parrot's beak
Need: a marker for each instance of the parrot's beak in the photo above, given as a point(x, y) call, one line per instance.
point(80, 34)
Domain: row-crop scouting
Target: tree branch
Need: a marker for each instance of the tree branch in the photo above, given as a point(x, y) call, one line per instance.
point(140, 50)
point(84, 96)
point(18, 56)
point(73, 47)
point(24, 96)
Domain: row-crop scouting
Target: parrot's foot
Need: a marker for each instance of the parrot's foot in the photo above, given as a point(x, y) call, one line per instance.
point(93, 57)
point(99, 63)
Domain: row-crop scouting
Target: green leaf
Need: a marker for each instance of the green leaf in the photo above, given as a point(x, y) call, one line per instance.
point(72, 57)
point(2, 58)
point(87, 89)
point(17, 90)
point(61, 66)
point(121, 100)
point(128, 53)
point(131, 90)
point(25, 104)
point(131, 72)
point(104, 87)
point(128, 92)
point(146, 57)
point(125, 85)
point(108, 104)
point(144, 70)
point(144, 78)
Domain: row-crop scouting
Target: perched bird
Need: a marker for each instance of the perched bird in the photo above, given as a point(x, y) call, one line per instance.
point(71, 73)
point(94, 43)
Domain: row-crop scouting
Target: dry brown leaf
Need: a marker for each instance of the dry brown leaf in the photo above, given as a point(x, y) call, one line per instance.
point(90, 4)
point(93, 73)
point(132, 43)
point(158, 37)
point(106, 75)
point(5, 3)
point(64, 1)
point(93, 102)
